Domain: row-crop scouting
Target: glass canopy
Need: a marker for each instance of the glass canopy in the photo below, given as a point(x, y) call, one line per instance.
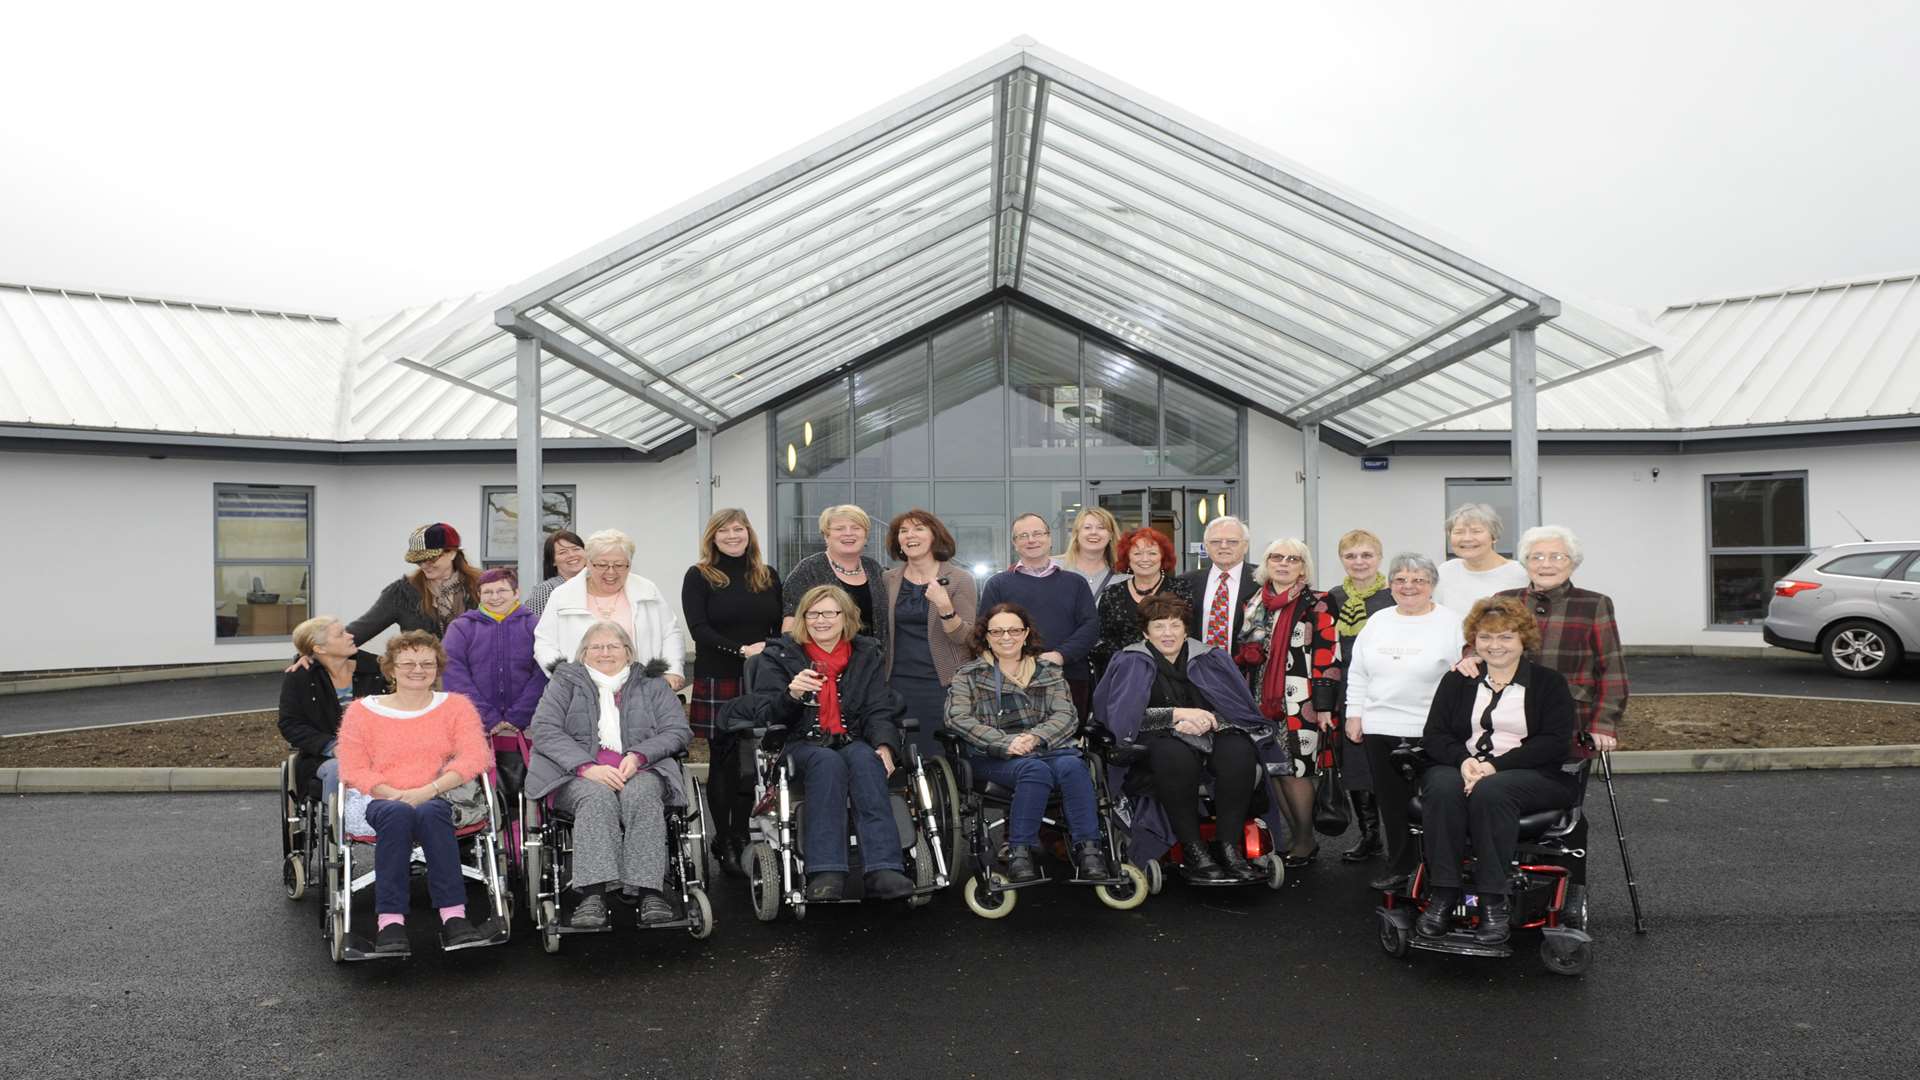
point(1025, 172)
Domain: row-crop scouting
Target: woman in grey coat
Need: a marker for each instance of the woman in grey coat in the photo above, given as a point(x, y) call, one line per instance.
point(604, 739)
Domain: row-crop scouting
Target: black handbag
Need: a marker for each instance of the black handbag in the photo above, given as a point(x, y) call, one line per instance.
point(1331, 811)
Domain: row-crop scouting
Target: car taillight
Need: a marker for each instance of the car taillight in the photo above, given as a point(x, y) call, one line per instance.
point(1790, 588)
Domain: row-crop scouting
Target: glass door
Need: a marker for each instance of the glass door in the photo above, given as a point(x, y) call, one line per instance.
point(1180, 513)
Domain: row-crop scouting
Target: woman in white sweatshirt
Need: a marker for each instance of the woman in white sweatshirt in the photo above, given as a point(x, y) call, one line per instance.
point(1397, 662)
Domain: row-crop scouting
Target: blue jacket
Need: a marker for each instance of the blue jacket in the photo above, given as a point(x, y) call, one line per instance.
point(492, 664)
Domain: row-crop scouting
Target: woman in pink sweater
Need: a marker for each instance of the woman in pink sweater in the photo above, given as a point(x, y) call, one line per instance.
point(404, 750)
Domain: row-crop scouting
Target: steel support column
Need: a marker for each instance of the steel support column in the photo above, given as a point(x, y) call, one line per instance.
point(1310, 492)
point(528, 535)
point(703, 476)
point(1526, 433)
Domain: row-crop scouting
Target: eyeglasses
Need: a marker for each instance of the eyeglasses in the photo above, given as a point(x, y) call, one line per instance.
point(1023, 537)
point(822, 616)
point(1554, 557)
point(1290, 560)
point(416, 665)
point(1224, 542)
point(607, 647)
point(1004, 632)
point(608, 567)
point(1411, 583)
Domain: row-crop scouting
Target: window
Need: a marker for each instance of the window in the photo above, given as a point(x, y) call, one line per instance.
point(1866, 564)
point(1913, 571)
point(500, 514)
point(1756, 534)
point(262, 559)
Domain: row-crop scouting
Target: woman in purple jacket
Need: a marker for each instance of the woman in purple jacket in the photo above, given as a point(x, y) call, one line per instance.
point(490, 660)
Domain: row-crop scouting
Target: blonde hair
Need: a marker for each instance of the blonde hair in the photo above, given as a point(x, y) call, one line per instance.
point(1100, 514)
point(1357, 537)
point(845, 510)
point(610, 540)
point(310, 633)
point(1290, 546)
point(849, 612)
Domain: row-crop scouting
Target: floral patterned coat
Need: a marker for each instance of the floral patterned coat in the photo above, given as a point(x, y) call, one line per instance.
point(1311, 651)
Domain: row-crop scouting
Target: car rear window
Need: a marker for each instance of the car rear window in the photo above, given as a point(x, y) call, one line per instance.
point(1866, 564)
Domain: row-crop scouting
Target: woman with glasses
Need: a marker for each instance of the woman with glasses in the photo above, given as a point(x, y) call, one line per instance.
point(1014, 710)
point(1149, 562)
point(932, 602)
point(1395, 664)
point(846, 564)
point(403, 755)
point(608, 591)
point(825, 683)
point(1477, 570)
point(1578, 636)
point(1287, 641)
point(605, 738)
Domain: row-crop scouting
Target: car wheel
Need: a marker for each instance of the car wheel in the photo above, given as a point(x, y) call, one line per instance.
point(1858, 649)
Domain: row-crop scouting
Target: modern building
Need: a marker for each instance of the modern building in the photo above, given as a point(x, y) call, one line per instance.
point(1022, 287)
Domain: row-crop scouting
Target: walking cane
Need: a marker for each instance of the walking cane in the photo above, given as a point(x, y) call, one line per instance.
point(1620, 831)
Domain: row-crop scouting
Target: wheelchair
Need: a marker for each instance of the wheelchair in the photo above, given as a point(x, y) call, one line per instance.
point(1547, 881)
point(775, 857)
point(1262, 849)
point(300, 817)
point(984, 809)
point(347, 860)
point(547, 868)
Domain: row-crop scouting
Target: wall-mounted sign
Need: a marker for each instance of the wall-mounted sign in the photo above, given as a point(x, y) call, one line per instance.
point(1374, 464)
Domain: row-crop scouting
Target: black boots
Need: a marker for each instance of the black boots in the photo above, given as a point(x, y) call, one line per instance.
point(1366, 811)
point(1090, 860)
point(1020, 865)
point(1438, 918)
point(1496, 916)
point(1233, 858)
point(1197, 865)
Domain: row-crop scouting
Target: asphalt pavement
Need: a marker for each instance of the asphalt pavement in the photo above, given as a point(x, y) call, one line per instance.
point(98, 705)
point(1722, 675)
point(146, 936)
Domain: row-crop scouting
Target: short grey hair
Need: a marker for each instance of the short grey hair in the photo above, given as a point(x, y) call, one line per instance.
point(1226, 519)
point(604, 626)
point(609, 540)
point(1477, 514)
point(1551, 532)
point(1288, 545)
point(1415, 562)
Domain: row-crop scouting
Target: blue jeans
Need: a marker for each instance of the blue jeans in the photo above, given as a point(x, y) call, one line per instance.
point(398, 827)
point(1033, 777)
point(829, 776)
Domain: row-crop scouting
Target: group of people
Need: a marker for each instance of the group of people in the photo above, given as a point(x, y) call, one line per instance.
point(1491, 664)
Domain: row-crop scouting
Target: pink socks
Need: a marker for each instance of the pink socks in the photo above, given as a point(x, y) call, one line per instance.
point(389, 920)
point(457, 911)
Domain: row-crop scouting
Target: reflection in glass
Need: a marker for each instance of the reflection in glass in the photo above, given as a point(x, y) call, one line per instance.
point(1743, 586)
point(976, 513)
point(823, 414)
point(969, 427)
point(1048, 410)
point(890, 415)
point(1203, 433)
point(1121, 414)
point(1763, 512)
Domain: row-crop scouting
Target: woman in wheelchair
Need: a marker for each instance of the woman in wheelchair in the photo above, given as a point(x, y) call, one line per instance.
point(312, 699)
point(405, 751)
point(826, 685)
point(1497, 743)
point(1188, 705)
point(1015, 712)
point(605, 736)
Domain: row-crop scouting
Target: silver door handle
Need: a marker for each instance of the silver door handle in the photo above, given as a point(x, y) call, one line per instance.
point(1906, 596)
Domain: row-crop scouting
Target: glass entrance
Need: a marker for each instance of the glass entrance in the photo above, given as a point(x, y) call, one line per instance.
point(1181, 513)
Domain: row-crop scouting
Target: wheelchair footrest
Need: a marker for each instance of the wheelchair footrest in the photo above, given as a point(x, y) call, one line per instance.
point(1460, 943)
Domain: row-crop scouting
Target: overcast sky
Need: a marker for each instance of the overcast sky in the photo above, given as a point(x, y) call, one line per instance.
point(351, 159)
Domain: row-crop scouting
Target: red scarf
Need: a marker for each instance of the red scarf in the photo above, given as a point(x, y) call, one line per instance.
point(1273, 680)
point(831, 665)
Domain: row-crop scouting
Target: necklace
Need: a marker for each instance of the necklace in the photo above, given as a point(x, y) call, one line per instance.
point(843, 571)
point(603, 607)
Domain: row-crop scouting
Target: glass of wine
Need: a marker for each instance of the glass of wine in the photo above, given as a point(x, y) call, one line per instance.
point(811, 698)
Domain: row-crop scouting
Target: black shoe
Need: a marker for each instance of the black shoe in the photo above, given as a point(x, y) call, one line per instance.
point(1367, 812)
point(1198, 866)
point(1294, 862)
point(729, 858)
point(888, 885)
point(458, 933)
point(1090, 860)
point(1496, 917)
point(1233, 859)
point(654, 908)
point(392, 938)
point(590, 913)
point(1438, 918)
point(826, 885)
point(1020, 865)
point(1391, 882)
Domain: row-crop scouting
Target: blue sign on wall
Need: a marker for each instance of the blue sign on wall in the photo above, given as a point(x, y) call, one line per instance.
point(1374, 464)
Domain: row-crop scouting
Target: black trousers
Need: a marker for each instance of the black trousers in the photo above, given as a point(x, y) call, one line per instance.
point(1176, 783)
point(1490, 816)
point(1392, 793)
point(729, 788)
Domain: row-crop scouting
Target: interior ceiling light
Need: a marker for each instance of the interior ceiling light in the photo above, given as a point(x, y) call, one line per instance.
point(793, 458)
point(1221, 501)
point(806, 432)
point(1203, 510)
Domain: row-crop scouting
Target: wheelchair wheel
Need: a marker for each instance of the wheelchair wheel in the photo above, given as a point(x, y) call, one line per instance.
point(549, 927)
point(293, 875)
point(1573, 913)
point(698, 818)
point(946, 803)
point(994, 906)
point(1276, 870)
point(1125, 897)
point(699, 914)
point(1393, 940)
point(1156, 878)
point(763, 879)
point(289, 811)
point(1564, 957)
point(922, 876)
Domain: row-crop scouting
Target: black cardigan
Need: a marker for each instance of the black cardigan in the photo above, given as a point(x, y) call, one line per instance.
point(1549, 711)
point(868, 707)
point(399, 605)
point(310, 710)
point(721, 620)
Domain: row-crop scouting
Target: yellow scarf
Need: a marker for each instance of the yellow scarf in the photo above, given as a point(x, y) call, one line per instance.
point(502, 617)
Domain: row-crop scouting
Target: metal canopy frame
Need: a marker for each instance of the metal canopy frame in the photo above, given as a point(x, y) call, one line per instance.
point(1023, 170)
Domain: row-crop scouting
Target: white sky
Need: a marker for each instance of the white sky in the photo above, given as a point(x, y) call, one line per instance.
point(353, 158)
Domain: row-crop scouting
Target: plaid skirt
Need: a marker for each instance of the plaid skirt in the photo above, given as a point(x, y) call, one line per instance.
point(709, 696)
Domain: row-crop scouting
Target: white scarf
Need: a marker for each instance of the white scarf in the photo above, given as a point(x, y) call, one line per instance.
point(609, 710)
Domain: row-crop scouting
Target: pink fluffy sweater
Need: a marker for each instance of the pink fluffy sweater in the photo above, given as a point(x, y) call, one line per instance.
point(411, 752)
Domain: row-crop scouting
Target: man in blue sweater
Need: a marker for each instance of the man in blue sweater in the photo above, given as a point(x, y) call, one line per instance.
point(1058, 601)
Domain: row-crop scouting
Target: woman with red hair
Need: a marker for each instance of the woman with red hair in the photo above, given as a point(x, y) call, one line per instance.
point(1147, 558)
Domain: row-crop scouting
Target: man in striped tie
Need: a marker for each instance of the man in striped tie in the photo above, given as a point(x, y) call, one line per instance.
point(1220, 589)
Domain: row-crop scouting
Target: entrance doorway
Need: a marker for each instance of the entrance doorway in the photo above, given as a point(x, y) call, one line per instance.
point(1181, 513)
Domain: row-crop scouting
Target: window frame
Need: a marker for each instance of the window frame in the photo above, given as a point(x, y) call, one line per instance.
point(1803, 551)
point(512, 561)
point(310, 562)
